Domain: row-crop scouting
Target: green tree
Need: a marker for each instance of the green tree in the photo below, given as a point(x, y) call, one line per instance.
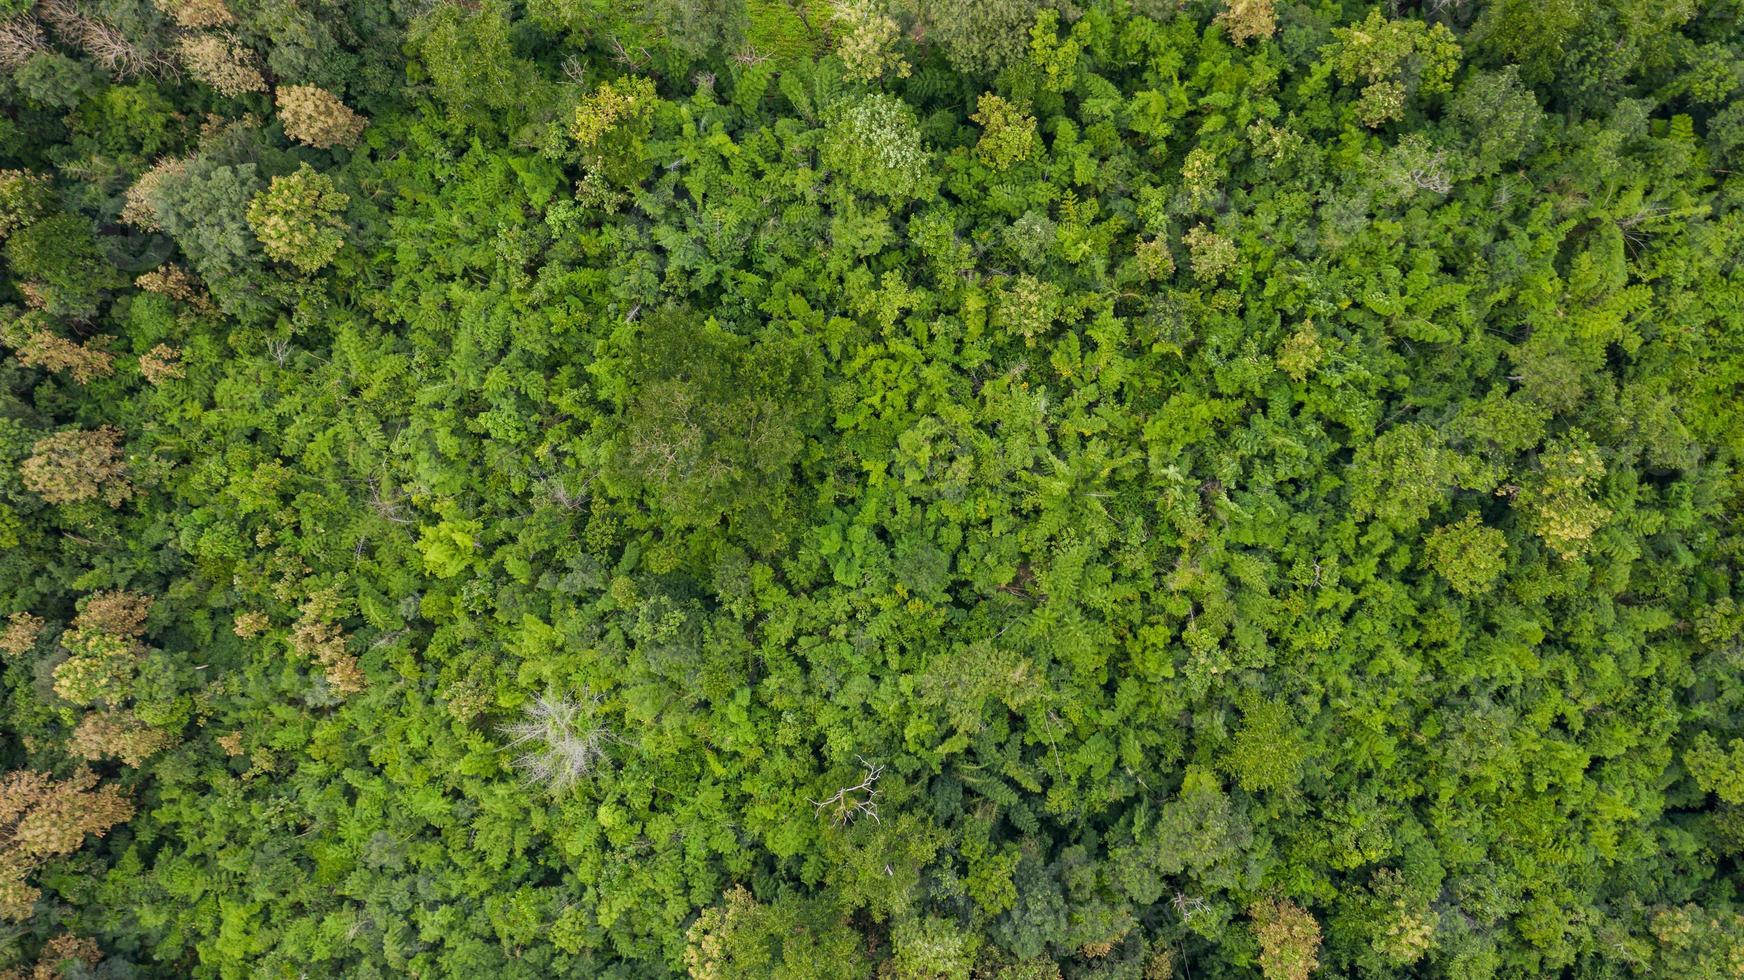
point(785, 940)
point(59, 265)
point(874, 145)
point(1405, 475)
point(469, 55)
point(1528, 33)
point(712, 428)
point(25, 198)
point(1396, 61)
point(203, 205)
point(1717, 770)
point(1267, 753)
point(1469, 555)
point(298, 218)
point(1499, 118)
point(932, 949)
point(700, 29)
point(1007, 132)
point(979, 38)
point(867, 41)
point(611, 126)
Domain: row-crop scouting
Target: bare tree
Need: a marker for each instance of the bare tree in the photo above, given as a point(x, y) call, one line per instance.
point(565, 740)
point(104, 42)
point(20, 38)
point(852, 802)
point(1187, 906)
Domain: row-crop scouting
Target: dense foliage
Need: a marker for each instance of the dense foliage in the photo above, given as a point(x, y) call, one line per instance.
point(905, 488)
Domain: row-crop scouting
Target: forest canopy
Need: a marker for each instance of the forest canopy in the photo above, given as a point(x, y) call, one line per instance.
point(1118, 489)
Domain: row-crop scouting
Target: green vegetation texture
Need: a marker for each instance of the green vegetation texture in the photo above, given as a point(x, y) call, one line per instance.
point(1118, 489)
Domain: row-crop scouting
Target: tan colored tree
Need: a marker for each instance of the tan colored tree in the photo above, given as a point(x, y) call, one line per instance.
point(115, 612)
point(223, 62)
point(138, 209)
point(231, 743)
point(195, 14)
point(1406, 926)
point(41, 818)
point(57, 957)
point(21, 38)
point(50, 351)
point(20, 634)
point(1154, 259)
point(317, 637)
point(119, 735)
point(1289, 939)
point(1558, 498)
point(1248, 20)
point(315, 117)
point(251, 624)
point(81, 26)
point(79, 464)
point(1300, 352)
point(178, 284)
point(1210, 254)
point(161, 363)
point(710, 953)
point(100, 670)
